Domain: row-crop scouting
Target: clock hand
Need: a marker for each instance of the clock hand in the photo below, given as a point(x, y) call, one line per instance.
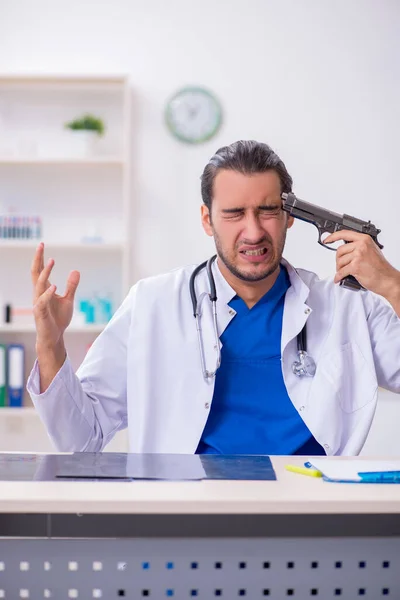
point(193, 111)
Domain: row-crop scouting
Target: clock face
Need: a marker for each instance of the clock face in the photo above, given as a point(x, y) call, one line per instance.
point(193, 115)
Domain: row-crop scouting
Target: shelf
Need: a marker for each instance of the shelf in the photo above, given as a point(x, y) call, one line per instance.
point(30, 328)
point(32, 244)
point(68, 79)
point(23, 411)
point(67, 161)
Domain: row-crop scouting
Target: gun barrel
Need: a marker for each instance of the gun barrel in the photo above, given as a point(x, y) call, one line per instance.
point(326, 220)
point(306, 210)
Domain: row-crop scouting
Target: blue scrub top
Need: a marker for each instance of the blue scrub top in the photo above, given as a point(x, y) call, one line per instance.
point(251, 412)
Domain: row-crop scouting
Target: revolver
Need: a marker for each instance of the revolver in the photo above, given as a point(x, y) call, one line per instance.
point(329, 222)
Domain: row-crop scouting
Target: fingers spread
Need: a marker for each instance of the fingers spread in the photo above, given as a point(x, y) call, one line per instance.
point(42, 303)
point(72, 284)
point(42, 282)
point(37, 263)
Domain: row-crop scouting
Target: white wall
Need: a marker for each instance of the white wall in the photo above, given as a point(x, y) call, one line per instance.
point(318, 80)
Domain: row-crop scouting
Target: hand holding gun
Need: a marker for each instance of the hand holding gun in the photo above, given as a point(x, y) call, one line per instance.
point(329, 222)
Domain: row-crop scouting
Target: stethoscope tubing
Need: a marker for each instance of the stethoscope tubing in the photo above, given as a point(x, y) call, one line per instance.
point(299, 368)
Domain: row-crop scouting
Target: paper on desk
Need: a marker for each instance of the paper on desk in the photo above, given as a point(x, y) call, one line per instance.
point(348, 470)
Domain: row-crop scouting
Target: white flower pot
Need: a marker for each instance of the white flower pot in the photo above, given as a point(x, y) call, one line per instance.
point(80, 143)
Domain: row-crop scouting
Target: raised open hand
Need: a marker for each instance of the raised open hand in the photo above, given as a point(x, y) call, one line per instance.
point(52, 312)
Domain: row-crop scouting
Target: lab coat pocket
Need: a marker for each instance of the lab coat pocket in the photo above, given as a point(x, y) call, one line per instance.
point(351, 377)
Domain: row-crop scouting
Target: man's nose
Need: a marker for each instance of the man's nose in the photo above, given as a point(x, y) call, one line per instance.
point(253, 230)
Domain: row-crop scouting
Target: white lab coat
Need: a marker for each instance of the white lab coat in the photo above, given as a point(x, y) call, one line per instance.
point(144, 369)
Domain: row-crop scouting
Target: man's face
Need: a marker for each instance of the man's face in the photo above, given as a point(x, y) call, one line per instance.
point(247, 223)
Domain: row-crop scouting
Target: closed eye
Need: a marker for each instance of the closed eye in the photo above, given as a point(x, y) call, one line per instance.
point(269, 210)
point(235, 213)
point(232, 213)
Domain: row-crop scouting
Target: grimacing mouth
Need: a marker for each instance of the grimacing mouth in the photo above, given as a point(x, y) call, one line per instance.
point(254, 252)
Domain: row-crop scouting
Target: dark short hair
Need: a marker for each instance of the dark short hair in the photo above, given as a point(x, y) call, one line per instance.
point(247, 157)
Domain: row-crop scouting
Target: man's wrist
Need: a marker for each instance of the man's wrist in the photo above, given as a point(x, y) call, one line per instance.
point(392, 294)
point(50, 361)
point(49, 354)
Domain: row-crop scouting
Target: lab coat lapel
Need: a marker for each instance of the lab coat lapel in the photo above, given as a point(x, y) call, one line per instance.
point(296, 311)
point(225, 294)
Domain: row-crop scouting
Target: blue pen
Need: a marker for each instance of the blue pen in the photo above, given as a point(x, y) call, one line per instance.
point(380, 476)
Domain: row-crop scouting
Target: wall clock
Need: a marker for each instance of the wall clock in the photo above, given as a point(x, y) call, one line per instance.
point(193, 115)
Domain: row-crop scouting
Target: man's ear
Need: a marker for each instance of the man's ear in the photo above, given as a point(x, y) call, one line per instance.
point(206, 220)
point(290, 221)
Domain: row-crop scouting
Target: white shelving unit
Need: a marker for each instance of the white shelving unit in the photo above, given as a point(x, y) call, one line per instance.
point(84, 200)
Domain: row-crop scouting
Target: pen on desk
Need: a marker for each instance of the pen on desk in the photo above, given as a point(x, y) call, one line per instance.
point(303, 470)
point(380, 477)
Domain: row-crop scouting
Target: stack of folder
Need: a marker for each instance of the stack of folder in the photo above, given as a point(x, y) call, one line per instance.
point(12, 361)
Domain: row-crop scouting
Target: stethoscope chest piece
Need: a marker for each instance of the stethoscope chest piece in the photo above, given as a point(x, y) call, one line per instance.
point(305, 366)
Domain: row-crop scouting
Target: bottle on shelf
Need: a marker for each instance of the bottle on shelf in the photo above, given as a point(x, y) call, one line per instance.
point(20, 227)
point(96, 309)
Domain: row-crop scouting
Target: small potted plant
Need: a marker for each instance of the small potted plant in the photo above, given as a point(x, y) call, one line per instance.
point(84, 130)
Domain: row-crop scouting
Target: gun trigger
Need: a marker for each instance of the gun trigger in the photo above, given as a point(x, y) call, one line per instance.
point(325, 245)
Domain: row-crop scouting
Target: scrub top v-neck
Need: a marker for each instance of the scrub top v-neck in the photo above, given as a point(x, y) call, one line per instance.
point(251, 412)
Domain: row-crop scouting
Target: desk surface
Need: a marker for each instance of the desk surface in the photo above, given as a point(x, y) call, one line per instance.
point(290, 494)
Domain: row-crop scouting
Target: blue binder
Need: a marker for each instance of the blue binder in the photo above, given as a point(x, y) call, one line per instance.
point(3, 375)
point(15, 368)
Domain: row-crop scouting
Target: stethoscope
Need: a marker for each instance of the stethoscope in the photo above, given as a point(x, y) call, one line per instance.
point(304, 366)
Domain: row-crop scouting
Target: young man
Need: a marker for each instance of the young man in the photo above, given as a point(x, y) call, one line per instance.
point(152, 370)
